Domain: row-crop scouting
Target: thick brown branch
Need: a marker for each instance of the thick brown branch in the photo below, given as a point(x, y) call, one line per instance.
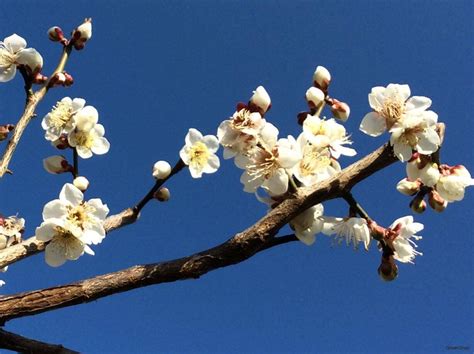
point(12, 341)
point(237, 249)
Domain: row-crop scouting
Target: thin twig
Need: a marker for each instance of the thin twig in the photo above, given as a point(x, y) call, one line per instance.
point(20, 344)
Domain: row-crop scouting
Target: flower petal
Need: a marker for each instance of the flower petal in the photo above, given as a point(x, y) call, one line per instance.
point(55, 253)
point(419, 103)
point(193, 137)
point(71, 194)
point(14, 43)
point(373, 124)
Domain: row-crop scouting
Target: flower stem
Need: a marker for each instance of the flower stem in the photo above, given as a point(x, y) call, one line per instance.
point(75, 170)
point(349, 198)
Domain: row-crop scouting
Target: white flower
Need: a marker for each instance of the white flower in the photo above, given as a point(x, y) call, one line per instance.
point(88, 136)
point(391, 104)
point(266, 165)
point(352, 230)
point(56, 164)
point(13, 53)
point(11, 229)
point(260, 100)
point(240, 133)
point(70, 225)
point(327, 133)
point(307, 224)
point(316, 163)
point(428, 175)
point(321, 77)
point(199, 153)
point(161, 169)
point(453, 182)
point(61, 119)
point(404, 247)
point(415, 132)
point(314, 97)
point(81, 183)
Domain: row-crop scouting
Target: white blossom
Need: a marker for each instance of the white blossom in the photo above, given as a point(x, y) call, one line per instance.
point(70, 225)
point(321, 77)
point(453, 182)
point(199, 153)
point(240, 133)
point(327, 133)
point(308, 223)
point(11, 229)
point(13, 54)
point(260, 100)
point(314, 97)
point(88, 136)
point(56, 164)
point(428, 175)
point(352, 230)
point(161, 169)
point(61, 118)
point(81, 183)
point(404, 246)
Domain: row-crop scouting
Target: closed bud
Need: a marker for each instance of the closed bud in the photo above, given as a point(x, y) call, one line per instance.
point(163, 194)
point(82, 34)
point(436, 202)
point(81, 183)
point(408, 187)
point(5, 130)
point(56, 34)
point(260, 101)
point(56, 164)
point(314, 97)
point(388, 270)
point(340, 110)
point(161, 169)
point(321, 78)
point(418, 205)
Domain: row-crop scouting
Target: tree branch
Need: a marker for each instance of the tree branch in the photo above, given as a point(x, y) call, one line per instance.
point(12, 341)
point(243, 245)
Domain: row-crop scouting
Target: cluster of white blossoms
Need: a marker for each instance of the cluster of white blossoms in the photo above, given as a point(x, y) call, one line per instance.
point(72, 124)
point(13, 54)
point(11, 229)
point(70, 225)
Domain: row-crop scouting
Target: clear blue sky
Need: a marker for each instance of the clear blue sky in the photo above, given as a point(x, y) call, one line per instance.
point(153, 69)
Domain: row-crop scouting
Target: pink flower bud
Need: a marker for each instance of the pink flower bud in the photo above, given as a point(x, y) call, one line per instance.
point(314, 97)
point(82, 34)
point(436, 202)
point(56, 164)
point(260, 101)
point(340, 110)
point(408, 187)
point(56, 34)
point(321, 78)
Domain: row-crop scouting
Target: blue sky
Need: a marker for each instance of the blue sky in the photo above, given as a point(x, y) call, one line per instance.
point(155, 69)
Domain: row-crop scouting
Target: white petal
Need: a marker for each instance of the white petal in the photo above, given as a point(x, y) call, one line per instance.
point(84, 152)
point(55, 253)
point(101, 146)
point(71, 194)
point(88, 250)
point(74, 248)
point(306, 236)
point(269, 134)
point(100, 210)
point(278, 183)
point(373, 124)
point(7, 73)
point(419, 103)
point(193, 137)
point(86, 118)
point(405, 220)
point(14, 43)
point(402, 151)
point(77, 103)
point(411, 229)
point(428, 142)
point(195, 173)
point(99, 129)
point(330, 224)
point(46, 230)
point(94, 234)
point(31, 58)
point(55, 209)
point(213, 164)
point(211, 142)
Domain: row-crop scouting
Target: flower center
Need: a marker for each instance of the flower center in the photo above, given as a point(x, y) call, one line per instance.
point(242, 120)
point(410, 136)
point(314, 160)
point(60, 115)
point(265, 164)
point(84, 139)
point(392, 110)
point(79, 215)
point(199, 154)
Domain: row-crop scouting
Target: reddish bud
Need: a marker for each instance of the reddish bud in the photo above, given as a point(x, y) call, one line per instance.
point(5, 130)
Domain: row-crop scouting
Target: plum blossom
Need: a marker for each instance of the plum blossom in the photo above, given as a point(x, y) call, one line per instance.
point(88, 136)
point(266, 165)
point(321, 78)
point(61, 118)
point(327, 133)
point(240, 133)
point(199, 153)
point(13, 52)
point(307, 224)
point(453, 182)
point(428, 174)
point(260, 100)
point(57, 164)
point(352, 230)
point(403, 230)
point(70, 225)
point(11, 229)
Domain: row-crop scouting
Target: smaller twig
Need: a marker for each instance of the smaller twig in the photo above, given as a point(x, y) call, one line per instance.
point(15, 342)
point(75, 168)
point(349, 198)
point(149, 196)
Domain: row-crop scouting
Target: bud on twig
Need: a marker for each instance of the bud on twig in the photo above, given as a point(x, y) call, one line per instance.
point(81, 183)
point(436, 202)
point(387, 270)
point(321, 78)
point(82, 34)
point(340, 110)
point(418, 205)
point(408, 187)
point(56, 34)
point(57, 164)
point(314, 97)
point(161, 169)
point(162, 195)
point(5, 130)
point(260, 101)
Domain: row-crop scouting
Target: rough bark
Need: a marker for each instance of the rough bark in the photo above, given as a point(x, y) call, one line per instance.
point(243, 245)
point(15, 342)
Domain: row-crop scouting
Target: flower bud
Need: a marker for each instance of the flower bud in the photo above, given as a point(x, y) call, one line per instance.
point(82, 34)
point(314, 97)
point(321, 78)
point(56, 164)
point(81, 183)
point(340, 110)
point(388, 270)
point(408, 187)
point(56, 34)
point(5, 130)
point(436, 202)
point(163, 194)
point(161, 169)
point(260, 101)
point(418, 205)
